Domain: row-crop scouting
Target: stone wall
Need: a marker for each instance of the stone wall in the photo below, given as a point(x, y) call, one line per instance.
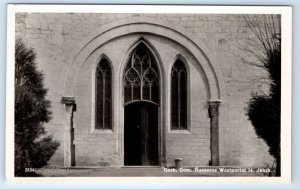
point(54, 37)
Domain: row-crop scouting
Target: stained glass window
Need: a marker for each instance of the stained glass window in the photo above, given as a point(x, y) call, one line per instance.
point(103, 95)
point(179, 96)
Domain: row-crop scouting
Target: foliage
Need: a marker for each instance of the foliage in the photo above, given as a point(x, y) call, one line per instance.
point(263, 110)
point(32, 148)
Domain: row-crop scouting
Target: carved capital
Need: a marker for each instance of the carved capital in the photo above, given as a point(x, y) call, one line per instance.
point(69, 102)
point(213, 109)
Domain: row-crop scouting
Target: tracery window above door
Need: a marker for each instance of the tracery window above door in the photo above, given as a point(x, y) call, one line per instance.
point(103, 95)
point(141, 79)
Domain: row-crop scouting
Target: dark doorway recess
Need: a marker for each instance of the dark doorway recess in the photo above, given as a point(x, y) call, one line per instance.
point(141, 134)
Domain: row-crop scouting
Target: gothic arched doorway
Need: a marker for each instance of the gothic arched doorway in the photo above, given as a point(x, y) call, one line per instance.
point(141, 102)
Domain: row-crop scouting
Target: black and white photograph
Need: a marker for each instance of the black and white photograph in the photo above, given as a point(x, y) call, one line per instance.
point(140, 91)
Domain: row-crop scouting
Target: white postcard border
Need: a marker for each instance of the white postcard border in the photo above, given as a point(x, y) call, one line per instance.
point(286, 87)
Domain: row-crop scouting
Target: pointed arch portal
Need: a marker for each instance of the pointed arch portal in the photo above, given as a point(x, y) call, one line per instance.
point(141, 100)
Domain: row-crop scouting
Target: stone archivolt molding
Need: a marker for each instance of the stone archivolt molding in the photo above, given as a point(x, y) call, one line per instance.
point(151, 26)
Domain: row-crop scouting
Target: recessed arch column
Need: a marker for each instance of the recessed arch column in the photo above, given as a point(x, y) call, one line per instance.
point(213, 111)
point(69, 148)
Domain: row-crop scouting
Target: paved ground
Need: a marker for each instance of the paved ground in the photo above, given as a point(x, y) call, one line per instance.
point(142, 172)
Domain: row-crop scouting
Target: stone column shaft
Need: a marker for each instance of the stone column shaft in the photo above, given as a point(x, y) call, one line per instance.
point(214, 126)
point(69, 104)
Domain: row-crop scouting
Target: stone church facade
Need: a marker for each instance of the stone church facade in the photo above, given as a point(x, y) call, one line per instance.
point(145, 89)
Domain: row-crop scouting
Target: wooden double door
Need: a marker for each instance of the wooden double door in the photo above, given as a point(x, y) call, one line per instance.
point(141, 134)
